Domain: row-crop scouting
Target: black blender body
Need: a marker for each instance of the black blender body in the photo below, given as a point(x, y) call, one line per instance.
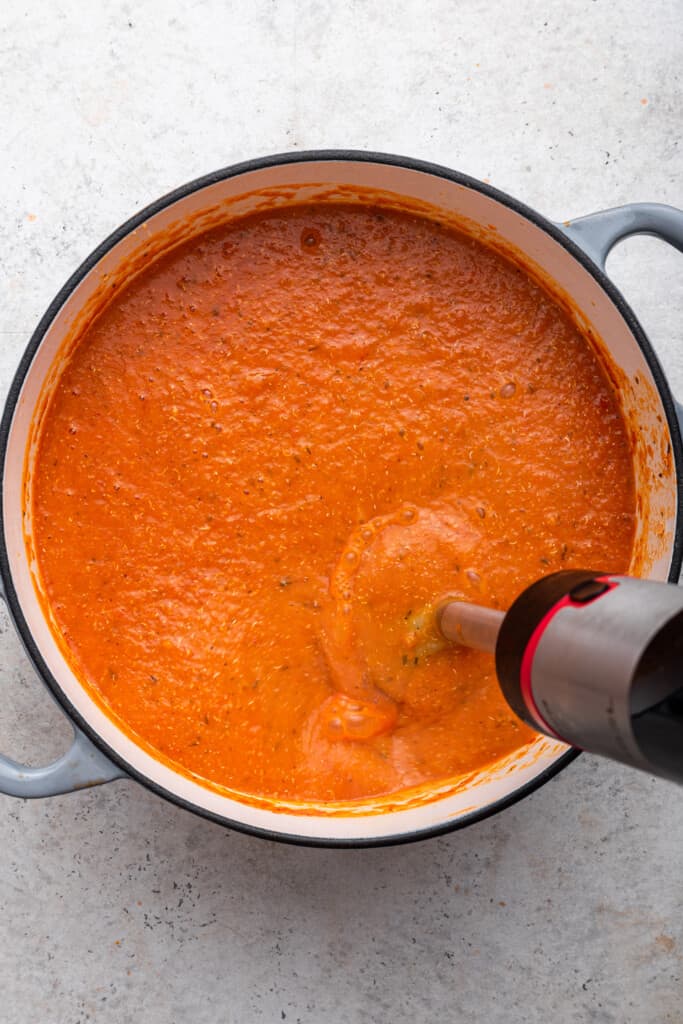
point(593, 659)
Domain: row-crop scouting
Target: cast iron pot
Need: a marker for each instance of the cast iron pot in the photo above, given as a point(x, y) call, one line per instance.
point(570, 257)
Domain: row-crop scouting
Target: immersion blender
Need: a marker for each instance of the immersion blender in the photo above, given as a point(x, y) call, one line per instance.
point(591, 659)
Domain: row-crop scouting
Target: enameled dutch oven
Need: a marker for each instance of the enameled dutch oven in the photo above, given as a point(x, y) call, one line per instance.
point(570, 257)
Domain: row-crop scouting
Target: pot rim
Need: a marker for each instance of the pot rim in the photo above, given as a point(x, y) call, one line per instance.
point(234, 170)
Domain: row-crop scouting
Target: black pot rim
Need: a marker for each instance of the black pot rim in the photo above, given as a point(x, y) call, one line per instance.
point(325, 155)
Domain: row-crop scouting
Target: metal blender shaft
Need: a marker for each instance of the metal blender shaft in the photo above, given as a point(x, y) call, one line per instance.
point(470, 625)
point(589, 658)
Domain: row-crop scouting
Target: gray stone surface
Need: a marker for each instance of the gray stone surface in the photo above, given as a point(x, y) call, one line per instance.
point(117, 907)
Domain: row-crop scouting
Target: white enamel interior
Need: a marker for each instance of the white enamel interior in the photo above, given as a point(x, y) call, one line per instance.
point(308, 179)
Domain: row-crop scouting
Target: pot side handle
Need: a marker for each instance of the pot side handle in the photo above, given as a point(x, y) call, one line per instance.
point(82, 766)
point(598, 233)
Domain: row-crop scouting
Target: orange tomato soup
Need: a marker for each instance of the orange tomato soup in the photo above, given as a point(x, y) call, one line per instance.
point(272, 453)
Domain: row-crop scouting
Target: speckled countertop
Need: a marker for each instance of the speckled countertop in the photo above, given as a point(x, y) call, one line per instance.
point(117, 907)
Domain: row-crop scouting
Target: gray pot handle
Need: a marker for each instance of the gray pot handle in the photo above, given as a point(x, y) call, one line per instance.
point(82, 766)
point(598, 233)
